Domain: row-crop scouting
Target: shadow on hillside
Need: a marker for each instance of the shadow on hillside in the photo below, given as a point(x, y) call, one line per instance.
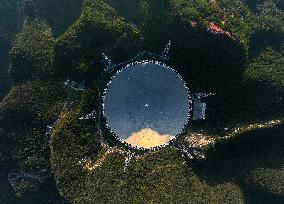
point(211, 63)
point(45, 192)
point(233, 159)
point(263, 39)
point(252, 102)
point(207, 61)
point(252, 4)
point(4, 76)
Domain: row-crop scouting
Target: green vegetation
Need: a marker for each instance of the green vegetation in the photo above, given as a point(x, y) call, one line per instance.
point(31, 55)
point(15, 13)
point(24, 115)
point(267, 66)
point(268, 180)
point(162, 178)
point(256, 166)
point(230, 174)
point(44, 192)
point(50, 41)
point(81, 138)
point(157, 177)
point(58, 14)
point(98, 29)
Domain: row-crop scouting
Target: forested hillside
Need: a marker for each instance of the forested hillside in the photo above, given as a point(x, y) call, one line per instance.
point(234, 48)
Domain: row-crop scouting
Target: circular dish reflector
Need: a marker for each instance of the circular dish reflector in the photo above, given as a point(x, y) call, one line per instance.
point(146, 105)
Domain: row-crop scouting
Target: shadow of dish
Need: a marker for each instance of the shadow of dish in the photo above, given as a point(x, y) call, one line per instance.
point(252, 102)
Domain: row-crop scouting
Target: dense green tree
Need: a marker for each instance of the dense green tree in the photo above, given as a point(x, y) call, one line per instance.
point(59, 14)
point(99, 29)
point(158, 177)
point(242, 63)
point(24, 115)
point(14, 13)
point(253, 159)
point(31, 55)
point(267, 66)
